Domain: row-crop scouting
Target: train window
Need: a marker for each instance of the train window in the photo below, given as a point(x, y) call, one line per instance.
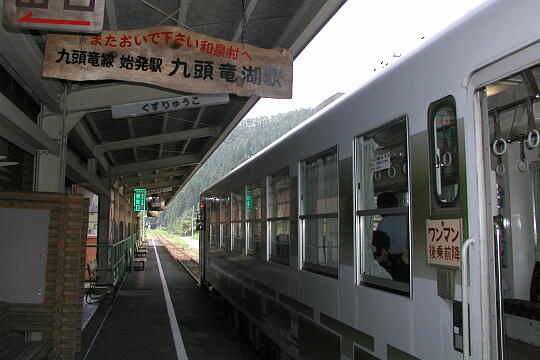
point(237, 221)
point(225, 218)
point(444, 152)
point(279, 204)
point(382, 208)
point(255, 237)
point(214, 223)
point(319, 213)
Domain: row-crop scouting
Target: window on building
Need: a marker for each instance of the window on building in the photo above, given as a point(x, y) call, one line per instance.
point(214, 223)
point(279, 205)
point(319, 213)
point(225, 218)
point(383, 206)
point(255, 233)
point(237, 222)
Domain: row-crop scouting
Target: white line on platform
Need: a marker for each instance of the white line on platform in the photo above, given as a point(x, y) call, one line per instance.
point(177, 336)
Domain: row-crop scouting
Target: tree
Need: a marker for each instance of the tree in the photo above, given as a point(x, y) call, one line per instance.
point(248, 138)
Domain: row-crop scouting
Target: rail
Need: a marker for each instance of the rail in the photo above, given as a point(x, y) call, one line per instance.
point(189, 262)
point(119, 257)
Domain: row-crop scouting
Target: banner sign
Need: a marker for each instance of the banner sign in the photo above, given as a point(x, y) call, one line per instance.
point(166, 105)
point(159, 191)
point(81, 16)
point(444, 238)
point(171, 57)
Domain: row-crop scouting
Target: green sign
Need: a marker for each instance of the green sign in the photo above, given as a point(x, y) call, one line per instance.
point(139, 200)
point(249, 200)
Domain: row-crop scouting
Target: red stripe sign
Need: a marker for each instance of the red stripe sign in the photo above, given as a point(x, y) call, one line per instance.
point(81, 16)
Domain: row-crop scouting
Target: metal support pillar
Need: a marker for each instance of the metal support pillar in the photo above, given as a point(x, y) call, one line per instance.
point(104, 223)
point(116, 215)
point(63, 146)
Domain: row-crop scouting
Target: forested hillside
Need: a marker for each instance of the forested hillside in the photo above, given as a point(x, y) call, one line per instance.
point(248, 138)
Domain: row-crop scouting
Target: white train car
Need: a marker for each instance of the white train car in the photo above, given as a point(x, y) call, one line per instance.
point(348, 237)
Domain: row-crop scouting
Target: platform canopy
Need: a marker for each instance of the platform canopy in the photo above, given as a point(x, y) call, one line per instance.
point(159, 150)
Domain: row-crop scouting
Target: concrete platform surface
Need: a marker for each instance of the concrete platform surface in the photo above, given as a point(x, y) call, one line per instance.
point(138, 325)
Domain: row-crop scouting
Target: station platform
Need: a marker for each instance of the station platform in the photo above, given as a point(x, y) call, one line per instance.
point(141, 321)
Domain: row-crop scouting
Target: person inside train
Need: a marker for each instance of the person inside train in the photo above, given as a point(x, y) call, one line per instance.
point(381, 244)
point(396, 227)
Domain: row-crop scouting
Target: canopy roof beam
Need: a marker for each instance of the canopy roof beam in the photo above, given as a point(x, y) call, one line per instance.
point(249, 10)
point(163, 129)
point(15, 122)
point(111, 14)
point(159, 139)
point(137, 167)
point(86, 138)
point(154, 186)
point(156, 176)
point(24, 62)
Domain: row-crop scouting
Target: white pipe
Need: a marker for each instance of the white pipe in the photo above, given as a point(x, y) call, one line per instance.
point(465, 297)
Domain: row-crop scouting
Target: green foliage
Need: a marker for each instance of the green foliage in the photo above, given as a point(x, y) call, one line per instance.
point(248, 138)
point(186, 222)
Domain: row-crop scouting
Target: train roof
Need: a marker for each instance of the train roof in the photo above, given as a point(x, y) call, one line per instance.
point(450, 39)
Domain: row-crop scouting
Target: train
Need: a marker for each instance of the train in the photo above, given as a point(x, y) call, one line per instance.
point(403, 220)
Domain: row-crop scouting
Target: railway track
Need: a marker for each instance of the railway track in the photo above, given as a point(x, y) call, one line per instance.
point(186, 259)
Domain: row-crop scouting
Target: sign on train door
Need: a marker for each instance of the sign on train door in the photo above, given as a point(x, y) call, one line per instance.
point(444, 238)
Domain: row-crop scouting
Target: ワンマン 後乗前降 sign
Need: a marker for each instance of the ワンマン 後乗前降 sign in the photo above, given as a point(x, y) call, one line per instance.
point(80, 16)
point(171, 57)
point(444, 240)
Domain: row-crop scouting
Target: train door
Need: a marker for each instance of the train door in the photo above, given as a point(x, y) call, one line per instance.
point(203, 244)
point(507, 113)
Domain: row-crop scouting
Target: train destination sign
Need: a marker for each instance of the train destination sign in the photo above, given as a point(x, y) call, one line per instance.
point(171, 57)
point(444, 238)
point(81, 16)
point(166, 105)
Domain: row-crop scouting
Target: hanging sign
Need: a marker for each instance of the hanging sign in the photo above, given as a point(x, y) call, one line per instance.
point(81, 16)
point(166, 105)
point(139, 200)
point(444, 238)
point(159, 191)
point(171, 57)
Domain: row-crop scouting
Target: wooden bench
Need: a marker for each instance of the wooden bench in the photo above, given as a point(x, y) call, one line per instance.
point(139, 263)
point(141, 253)
point(91, 292)
point(141, 249)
